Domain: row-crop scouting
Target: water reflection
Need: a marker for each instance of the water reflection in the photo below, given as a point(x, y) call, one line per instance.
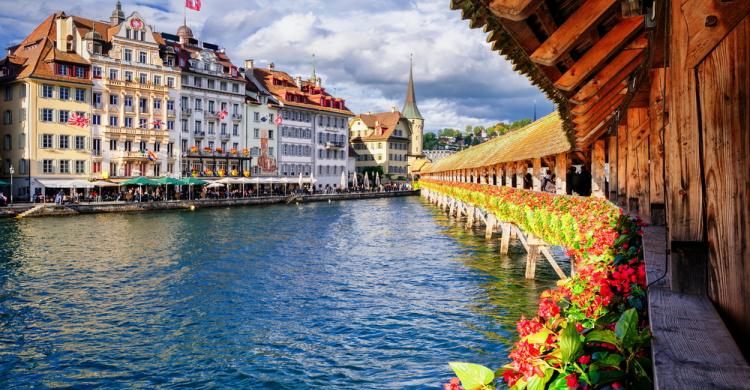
point(363, 294)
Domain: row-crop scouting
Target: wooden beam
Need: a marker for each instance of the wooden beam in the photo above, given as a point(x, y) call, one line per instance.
point(525, 37)
point(656, 153)
point(600, 52)
point(536, 174)
point(549, 26)
point(708, 22)
point(563, 39)
point(622, 164)
point(618, 68)
point(593, 104)
point(522, 167)
point(612, 159)
point(598, 114)
point(593, 133)
point(516, 10)
point(609, 86)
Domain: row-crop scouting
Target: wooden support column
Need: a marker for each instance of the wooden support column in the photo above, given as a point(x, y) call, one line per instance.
point(536, 175)
point(509, 171)
point(505, 238)
point(685, 192)
point(612, 156)
point(470, 214)
point(622, 164)
point(521, 169)
point(561, 170)
point(656, 145)
point(597, 169)
point(490, 226)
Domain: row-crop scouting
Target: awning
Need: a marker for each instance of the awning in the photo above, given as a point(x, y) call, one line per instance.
point(64, 183)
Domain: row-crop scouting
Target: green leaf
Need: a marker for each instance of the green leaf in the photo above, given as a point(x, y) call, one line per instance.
point(625, 329)
point(559, 383)
point(570, 343)
point(602, 336)
point(539, 337)
point(537, 382)
point(472, 376)
point(606, 359)
point(520, 385)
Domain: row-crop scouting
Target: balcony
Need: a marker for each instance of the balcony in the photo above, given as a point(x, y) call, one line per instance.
point(187, 112)
point(211, 114)
point(224, 136)
point(171, 113)
point(144, 133)
point(134, 156)
point(334, 145)
point(135, 85)
point(199, 134)
point(237, 117)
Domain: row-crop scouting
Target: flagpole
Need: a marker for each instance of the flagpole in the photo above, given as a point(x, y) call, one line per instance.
point(184, 14)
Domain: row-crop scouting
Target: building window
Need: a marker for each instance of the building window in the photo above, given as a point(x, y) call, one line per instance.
point(198, 126)
point(198, 105)
point(127, 55)
point(143, 78)
point(235, 130)
point(63, 116)
point(63, 142)
point(157, 80)
point(198, 82)
point(170, 82)
point(256, 133)
point(256, 116)
point(142, 57)
point(47, 115)
point(8, 93)
point(113, 144)
point(96, 119)
point(80, 95)
point(184, 125)
point(7, 142)
point(80, 142)
point(47, 91)
point(143, 123)
point(48, 166)
point(97, 147)
point(170, 125)
point(129, 76)
point(64, 93)
point(113, 74)
point(80, 167)
point(113, 100)
point(64, 166)
point(96, 167)
point(97, 72)
point(128, 122)
point(7, 117)
point(113, 121)
point(210, 128)
point(80, 72)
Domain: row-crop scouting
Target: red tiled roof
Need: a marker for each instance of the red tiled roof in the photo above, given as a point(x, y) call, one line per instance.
point(383, 124)
point(310, 95)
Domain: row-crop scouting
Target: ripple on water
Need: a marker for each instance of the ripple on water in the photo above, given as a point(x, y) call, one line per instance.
point(365, 294)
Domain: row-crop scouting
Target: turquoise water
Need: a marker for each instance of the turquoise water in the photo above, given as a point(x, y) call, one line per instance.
point(359, 294)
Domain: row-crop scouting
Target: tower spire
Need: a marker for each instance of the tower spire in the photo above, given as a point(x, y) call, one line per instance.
point(314, 74)
point(410, 110)
point(118, 16)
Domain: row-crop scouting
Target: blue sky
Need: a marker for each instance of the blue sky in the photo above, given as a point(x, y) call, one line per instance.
point(362, 49)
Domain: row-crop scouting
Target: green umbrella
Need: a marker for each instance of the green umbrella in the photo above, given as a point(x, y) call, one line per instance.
point(191, 181)
point(169, 181)
point(4, 183)
point(140, 181)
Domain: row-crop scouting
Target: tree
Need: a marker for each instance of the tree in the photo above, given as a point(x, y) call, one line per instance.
point(520, 123)
point(469, 130)
point(429, 141)
point(478, 130)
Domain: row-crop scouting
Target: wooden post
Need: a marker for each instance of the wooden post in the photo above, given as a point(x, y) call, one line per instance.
point(724, 88)
point(561, 169)
point(521, 169)
point(612, 156)
point(536, 176)
point(490, 226)
point(509, 172)
point(470, 211)
point(656, 144)
point(597, 169)
point(505, 239)
point(531, 259)
point(622, 163)
point(685, 193)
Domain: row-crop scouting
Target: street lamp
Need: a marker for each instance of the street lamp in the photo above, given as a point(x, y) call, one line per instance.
point(12, 171)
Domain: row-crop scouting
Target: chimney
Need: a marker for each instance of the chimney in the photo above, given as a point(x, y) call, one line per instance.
point(393, 108)
point(298, 81)
point(271, 66)
point(249, 64)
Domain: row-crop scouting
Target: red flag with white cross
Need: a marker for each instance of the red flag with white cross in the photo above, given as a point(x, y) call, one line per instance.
point(193, 4)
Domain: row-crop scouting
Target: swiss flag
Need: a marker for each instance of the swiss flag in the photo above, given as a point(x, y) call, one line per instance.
point(278, 121)
point(193, 4)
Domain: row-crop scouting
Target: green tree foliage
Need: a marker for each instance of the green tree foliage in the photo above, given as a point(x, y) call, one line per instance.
point(430, 141)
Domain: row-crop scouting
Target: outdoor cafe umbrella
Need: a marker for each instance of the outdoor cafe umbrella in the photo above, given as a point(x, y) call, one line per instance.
point(168, 181)
point(344, 182)
point(300, 180)
point(355, 183)
point(190, 182)
point(215, 185)
point(367, 181)
point(377, 179)
point(140, 182)
point(102, 183)
point(284, 181)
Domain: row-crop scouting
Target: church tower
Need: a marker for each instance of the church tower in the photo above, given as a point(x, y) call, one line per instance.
point(411, 112)
point(118, 16)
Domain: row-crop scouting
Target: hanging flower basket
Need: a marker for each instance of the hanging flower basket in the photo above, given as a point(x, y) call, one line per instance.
point(245, 152)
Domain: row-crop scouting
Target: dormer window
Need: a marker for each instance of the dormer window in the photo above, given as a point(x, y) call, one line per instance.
point(69, 43)
point(128, 33)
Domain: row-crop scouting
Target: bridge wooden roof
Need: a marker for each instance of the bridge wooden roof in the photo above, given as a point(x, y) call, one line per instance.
point(545, 137)
point(582, 53)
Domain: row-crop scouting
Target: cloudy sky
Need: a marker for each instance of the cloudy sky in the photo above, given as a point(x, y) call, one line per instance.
point(362, 49)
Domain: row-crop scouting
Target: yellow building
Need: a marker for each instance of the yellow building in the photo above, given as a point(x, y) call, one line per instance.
point(382, 140)
point(45, 82)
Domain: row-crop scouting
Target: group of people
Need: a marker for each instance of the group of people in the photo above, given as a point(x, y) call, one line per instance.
point(577, 182)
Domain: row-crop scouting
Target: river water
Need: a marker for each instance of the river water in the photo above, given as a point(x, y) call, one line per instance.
point(360, 294)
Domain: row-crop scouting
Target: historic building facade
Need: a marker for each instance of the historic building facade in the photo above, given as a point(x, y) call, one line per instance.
point(212, 99)
point(314, 127)
point(46, 85)
point(261, 129)
point(133, 118)
point(382, 140)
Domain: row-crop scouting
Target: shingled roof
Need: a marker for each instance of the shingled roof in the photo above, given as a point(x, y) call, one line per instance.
point(545, 137)
point(310, 94)
point(385, 121)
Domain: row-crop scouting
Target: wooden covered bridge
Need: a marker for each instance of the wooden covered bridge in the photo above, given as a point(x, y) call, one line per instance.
point(653, 97)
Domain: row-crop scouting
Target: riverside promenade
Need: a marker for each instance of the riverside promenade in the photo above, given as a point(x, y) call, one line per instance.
point(30, 210)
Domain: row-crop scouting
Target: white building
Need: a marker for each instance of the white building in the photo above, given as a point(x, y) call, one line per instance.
point(314, 130)
point(212, 99)
point(261, 131)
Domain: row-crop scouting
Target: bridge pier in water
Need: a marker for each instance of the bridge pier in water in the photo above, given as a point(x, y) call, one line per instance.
point(534, 246)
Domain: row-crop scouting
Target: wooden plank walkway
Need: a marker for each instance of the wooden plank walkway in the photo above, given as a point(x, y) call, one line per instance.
point(692, 348)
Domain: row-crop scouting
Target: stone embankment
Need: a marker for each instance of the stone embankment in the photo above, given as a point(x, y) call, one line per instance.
point(52, 210)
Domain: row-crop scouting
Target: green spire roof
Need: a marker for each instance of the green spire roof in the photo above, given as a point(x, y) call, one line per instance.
point(410, 110)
